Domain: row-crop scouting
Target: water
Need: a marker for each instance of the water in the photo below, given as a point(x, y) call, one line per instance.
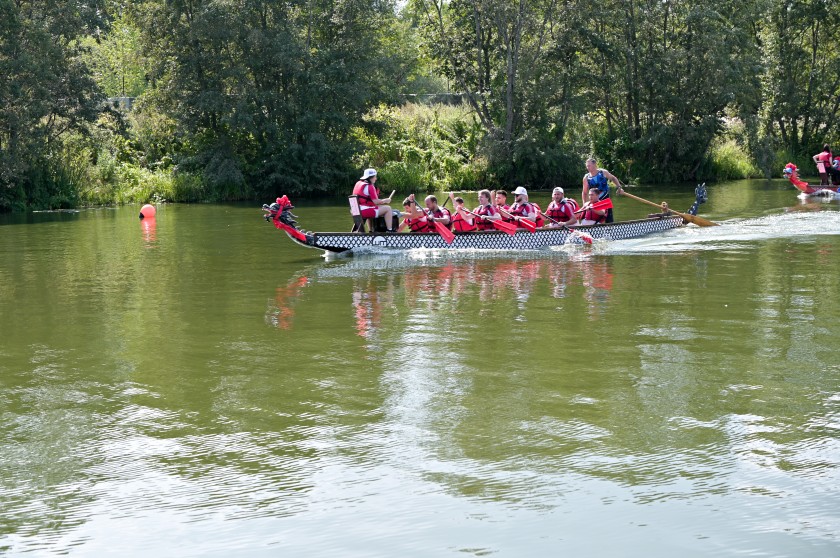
point(203, 387)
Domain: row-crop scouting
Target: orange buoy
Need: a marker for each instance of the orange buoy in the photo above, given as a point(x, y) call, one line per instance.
point(147, 211)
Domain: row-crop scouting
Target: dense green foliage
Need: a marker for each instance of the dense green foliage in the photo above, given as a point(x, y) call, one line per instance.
point(236, 99)
point(46, 94)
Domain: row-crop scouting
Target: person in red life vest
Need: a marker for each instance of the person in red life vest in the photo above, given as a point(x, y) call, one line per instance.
point(369, 203)
point(597, 179)
point(501, 200)
point(826, 158)
point(521, 208)
point(487, 211)
point(436, 213)
point(415, 220)
point(593, 216)
point(561, 209)
point(462, 220)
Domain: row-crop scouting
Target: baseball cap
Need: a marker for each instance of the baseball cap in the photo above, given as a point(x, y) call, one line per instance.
point(520, 191)
point(558, 189)
point(368, 173)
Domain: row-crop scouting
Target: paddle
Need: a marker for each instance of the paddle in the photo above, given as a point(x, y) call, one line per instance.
point(602, 204)
point(509, 228)
point(587, 238)
point(525, 223)
point(686, 216)
point(555, 221)
point(445, 233)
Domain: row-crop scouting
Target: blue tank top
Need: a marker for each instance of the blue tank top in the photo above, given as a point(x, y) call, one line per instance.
point(599, 182)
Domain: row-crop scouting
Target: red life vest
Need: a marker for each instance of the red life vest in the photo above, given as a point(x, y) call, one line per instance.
point(366, 192)
point(462, 225)
point(590, 215)
point(419, 225)
point(439, 213)
point(540, 218)
point(520, 210)
point(505, 208)
point(488, 210)
point(563, 211)
point(825, 157)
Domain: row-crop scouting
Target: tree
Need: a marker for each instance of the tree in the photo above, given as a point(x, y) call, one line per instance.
point(46, 93)
point(802, 82)
point(266, 93)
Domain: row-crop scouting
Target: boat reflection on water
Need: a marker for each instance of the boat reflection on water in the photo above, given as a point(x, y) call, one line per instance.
point(462, 289)
point(281, 310)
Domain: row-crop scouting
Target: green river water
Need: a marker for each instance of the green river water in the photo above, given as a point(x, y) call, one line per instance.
point(201, 386)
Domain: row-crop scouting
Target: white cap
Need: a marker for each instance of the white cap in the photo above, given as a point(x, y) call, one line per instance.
point(559, 189)
point(520, 191)
point(368, 173)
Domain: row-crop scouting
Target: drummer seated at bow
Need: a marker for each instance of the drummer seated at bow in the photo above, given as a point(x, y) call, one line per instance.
point(592, 216)
point(462, 219)
point(824, 161)
point(561, 210)
point(521, 209)
point(370, 204)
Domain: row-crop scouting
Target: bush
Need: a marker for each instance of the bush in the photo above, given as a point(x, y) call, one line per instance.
point(420, 148)
point(728, 160)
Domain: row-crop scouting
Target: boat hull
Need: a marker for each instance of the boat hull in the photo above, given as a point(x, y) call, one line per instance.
point(483, 240)
point(821, 193)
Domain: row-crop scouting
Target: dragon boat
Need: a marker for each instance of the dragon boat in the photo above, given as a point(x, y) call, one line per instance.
point(279, 213)
point(791, 172)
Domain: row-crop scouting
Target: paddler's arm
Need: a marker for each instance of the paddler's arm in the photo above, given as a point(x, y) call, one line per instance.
point(445, 219)
point(529, 217)
point(610, 176)
point(467, 215)
point(385, 201)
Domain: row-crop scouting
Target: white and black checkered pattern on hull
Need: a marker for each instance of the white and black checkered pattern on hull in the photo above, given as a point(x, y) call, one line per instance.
point(489, 240)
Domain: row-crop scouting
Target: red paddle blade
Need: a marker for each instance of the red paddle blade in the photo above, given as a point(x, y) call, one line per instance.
point(603, 204)
point(447, 235)
point(509, 228)
point(526, 224)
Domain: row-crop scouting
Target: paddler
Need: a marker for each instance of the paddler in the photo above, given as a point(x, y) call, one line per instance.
point(521, 208)
point(370, 205)
point(422, 219)
point(592, 216)
point(415, 220)
point(561, 209)
point(500, 200)
point(486, 211)
point(436, 213)
point(826, 158)
point(462, 220)
point(596, 178)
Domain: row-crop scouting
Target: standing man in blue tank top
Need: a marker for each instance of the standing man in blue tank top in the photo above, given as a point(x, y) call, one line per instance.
point(596, 178)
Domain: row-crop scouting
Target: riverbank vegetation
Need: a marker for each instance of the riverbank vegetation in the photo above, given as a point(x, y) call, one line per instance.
point(117, 102)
